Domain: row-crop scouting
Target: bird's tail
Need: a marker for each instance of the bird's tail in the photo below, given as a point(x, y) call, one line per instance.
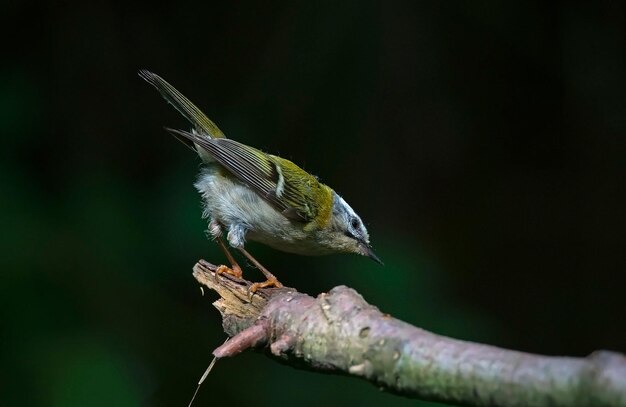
point(201, 123)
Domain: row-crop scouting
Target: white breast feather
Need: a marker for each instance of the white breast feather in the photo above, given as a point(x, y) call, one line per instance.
point(230, 203)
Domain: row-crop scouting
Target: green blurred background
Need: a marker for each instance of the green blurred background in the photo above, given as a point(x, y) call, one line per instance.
point(482, 143)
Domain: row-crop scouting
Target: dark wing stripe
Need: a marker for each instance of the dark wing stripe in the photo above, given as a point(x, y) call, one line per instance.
point(262, 170)
point(293, 194)
point(251, 176)
point(246, 166)
point(261, 166)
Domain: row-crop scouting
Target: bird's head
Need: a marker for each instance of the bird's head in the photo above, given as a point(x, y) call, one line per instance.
point(346, 232)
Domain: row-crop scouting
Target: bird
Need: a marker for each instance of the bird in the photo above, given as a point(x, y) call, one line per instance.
point(250, 195)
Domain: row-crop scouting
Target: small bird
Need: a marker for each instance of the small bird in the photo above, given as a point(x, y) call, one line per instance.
point(252, 195)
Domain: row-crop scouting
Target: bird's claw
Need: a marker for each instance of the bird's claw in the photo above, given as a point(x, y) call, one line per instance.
point(235, 271)
point(271, 282)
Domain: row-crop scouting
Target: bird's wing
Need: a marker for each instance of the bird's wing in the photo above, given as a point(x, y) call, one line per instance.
point(291, 190)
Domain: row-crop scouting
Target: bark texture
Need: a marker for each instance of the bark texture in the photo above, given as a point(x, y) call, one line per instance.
point(340, 332)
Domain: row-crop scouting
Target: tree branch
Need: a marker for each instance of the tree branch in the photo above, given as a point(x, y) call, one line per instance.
point(339, 332)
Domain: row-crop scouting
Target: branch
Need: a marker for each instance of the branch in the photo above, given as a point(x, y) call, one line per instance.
point(338, 332)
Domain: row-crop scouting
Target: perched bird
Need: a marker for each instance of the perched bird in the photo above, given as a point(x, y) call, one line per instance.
point(252, 195)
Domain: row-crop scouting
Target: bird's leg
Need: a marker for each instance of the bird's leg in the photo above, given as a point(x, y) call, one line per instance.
point(234, 269)
point(271, 281)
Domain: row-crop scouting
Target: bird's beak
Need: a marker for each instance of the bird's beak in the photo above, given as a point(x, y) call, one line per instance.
point(367, 251)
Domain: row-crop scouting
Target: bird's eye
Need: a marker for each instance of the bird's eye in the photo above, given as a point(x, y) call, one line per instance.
point(354, 223)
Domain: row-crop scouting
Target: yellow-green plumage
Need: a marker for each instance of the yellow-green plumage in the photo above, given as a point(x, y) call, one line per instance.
point(312, 198)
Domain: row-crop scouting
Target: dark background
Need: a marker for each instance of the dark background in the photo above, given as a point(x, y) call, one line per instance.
point(481, 142)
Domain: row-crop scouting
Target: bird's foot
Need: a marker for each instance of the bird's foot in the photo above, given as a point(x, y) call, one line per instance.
point(234, 271)
point(270, 282)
